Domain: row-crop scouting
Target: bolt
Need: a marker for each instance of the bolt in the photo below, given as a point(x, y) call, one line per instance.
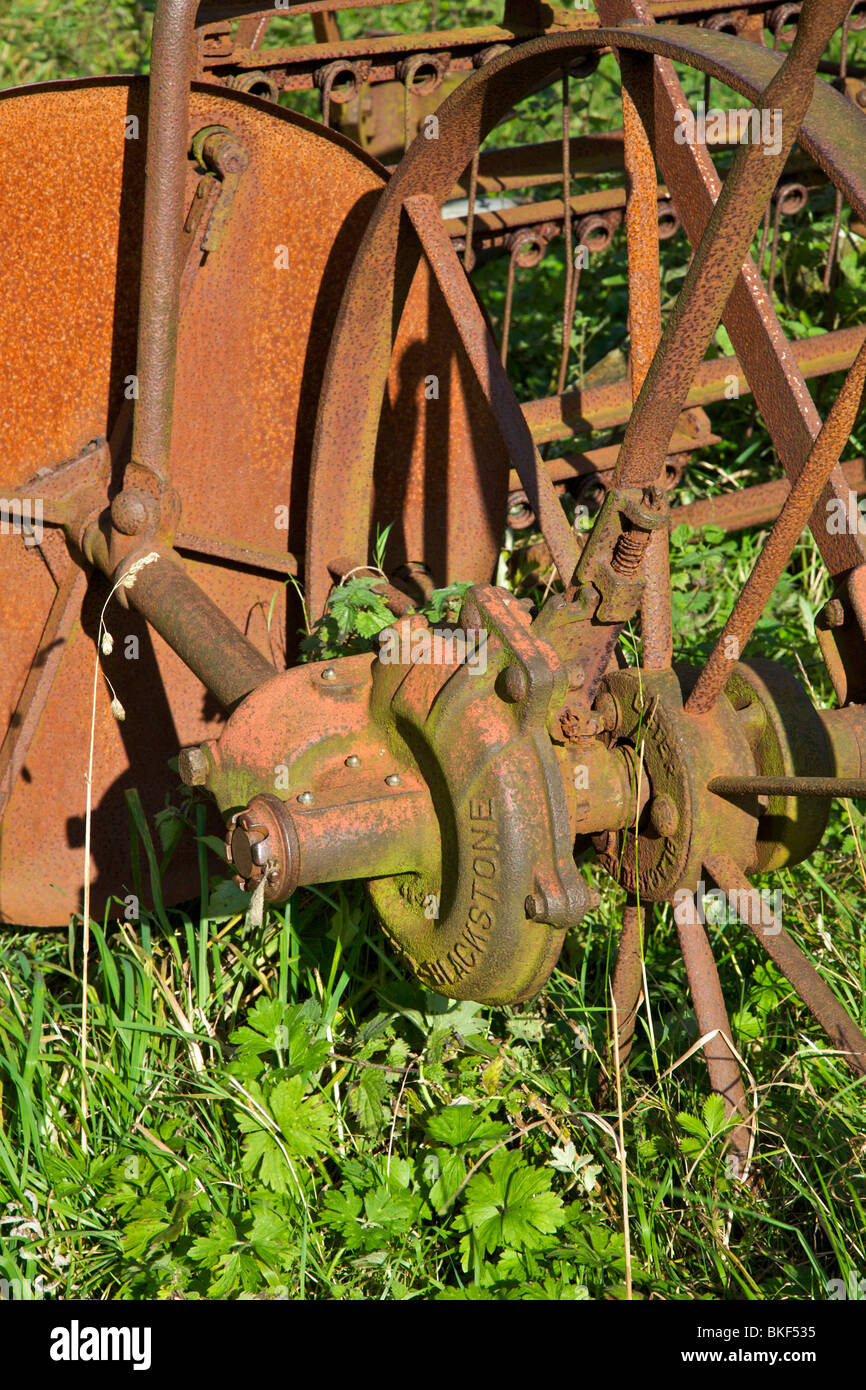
point(353, 760)
point(470, 617)
point(606, 842)
point(305, 798)
point(130, 512)
point(329, 674)
point(392, 780)
point(514, 684)
point(833, 613)
point(534, 907)
point(192, 767)
point(605, 708)
point(664, 816)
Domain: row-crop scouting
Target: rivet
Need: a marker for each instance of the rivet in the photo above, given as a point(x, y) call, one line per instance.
point(514, 684)
point(353, 760)
point(305, 798)
point(664, 816)
point(392, 780)
point(329, 674)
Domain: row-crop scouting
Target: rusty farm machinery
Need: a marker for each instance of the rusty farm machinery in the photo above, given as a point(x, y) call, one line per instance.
point(219, 322)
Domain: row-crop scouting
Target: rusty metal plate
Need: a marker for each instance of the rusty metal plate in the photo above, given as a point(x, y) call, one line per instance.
point(254, 337)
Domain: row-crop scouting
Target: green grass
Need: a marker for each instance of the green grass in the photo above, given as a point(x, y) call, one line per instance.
point(273, 1110)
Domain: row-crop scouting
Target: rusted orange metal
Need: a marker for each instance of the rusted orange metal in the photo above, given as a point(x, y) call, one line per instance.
point(252, 347)
point(279, 351)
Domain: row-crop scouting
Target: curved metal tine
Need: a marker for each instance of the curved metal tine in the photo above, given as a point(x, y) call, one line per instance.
point(818, 997)
point(468, 250)
point(567, 304)
point(498, 391)
point(721, 253)
point(789, 525)
point(706, 991)
point(645, 328)
point(65, 608)
point(509, 302)
point(774, 249)
point(764, 235)
point(829, 269)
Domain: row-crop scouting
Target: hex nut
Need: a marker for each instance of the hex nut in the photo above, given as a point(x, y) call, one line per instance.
point(833, 614)
point(192, 766)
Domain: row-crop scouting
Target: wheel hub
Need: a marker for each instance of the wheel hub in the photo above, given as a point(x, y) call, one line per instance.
point(454, 791)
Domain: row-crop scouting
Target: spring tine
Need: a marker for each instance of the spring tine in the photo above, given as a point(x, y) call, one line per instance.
point(509, 297)
point(765, 233)
point(832, 250)
point(777, 219)
point(326, 99)
point(468, 252)
point(830, 268)
point(567, 312)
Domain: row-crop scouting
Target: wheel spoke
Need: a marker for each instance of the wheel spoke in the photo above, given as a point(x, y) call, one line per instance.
point(800, 504)
point(498, 391)
point(645, 330)
point(818, 998)
point(64, 610)
point(628, 978)
point(772, 365)
point(712, 1016)
point(717, 261)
